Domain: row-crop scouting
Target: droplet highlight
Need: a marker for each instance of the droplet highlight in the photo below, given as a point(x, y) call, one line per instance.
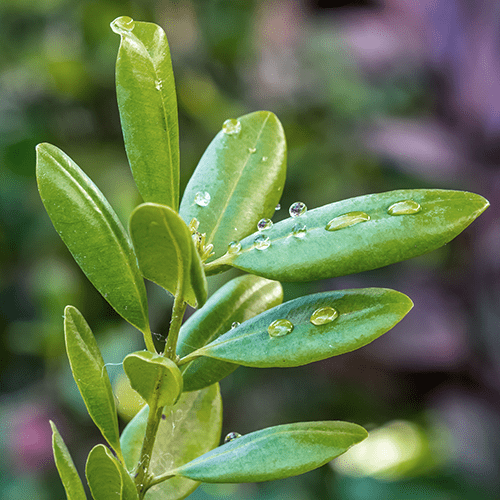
point(264, 158)
point(347, 220)
point(252, 150)
point(231, 437)
point(122, 25)
point(262, 242)
point(231, 126)
point(324, 315)
point(278, 207)
point(264, 224)
point(234, 247)
point(235, 324)
point(299, 230)
point(202, 198)
point(297, 209)
point(280, 328)
point(404, 207)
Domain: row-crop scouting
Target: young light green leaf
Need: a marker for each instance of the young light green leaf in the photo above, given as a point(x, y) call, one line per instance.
point(311, 328)
point(274, 453)
point(189, 429)
point(239, 179)
point(147, 102)
point(358, 234)
point(93, 234)
point(66, 467)
point(157, 379)
point(166, 251)
point(91, 376)
point(237, 301)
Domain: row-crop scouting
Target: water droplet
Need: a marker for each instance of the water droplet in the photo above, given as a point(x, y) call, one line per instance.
point(262, 242)
point(299, 230)
point(264, 224)
point(202, 198)
point(231, 126)
point(278, 207)
point(346, 220)
point(264, 158)
point(158, 85)
point(234, 247)
point(235, 324)
point(296, 209)
point(122, 25)
point(323, 315)
point(231, 437)
point(252, 150)
point(280, 328)
point(404, 207)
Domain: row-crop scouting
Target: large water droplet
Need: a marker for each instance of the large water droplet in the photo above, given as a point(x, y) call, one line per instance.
point(299, 230)
point(202, 198)
point(264, 224)
point(404, 207)
point(262, 242)
point(323, 315)
point(231, 126)
point(280, 328)
point(252, 150)
point(234, 247)
point(231, 437)
point(296, 209)
point(235, 324)
point(122, 25)
point(347, 220)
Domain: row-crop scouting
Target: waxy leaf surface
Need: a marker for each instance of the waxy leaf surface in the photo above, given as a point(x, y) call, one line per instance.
point(189, 429)
point(166, 252)
point(93, 234)
point(148, 109)
point(237, 301)
point(66, 467)
point(244, 174)
point(363, 315)
point(382, 240)
point(90, 375)
point(274, 453)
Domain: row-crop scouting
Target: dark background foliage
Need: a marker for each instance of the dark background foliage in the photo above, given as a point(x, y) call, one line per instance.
point(373, 96)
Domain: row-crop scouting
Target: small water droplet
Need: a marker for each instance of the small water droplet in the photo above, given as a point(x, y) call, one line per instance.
point(235, 324)
point(231, 437)
point(202, 198)
point(264, 158)
point(296, 209)
point(323, 315)
point(278, 207)
point(252, 150)
point(122, 25)
point(299, 230)
point(404, 207)
point(231, 126)
point(264, 224)
point(158, 85)
point(346, 220)
point(234, 247)
point(262, 242)
point(280, 328)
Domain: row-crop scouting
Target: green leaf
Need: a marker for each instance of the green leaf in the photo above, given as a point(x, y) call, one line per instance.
point(237, 301)
point(107, 478)
point(362, 316)
point(91, 376)
point(157, 379)
point(147, 102)
point(66, 467)
point(93, 234)
point(244, 186)
point(367, 244)
point(274, 453)
point(190, 428)
point(166, 251)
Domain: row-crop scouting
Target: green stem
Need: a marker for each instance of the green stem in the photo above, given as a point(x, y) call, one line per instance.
point(175, 325)
point(218, 265)
point(148, 340)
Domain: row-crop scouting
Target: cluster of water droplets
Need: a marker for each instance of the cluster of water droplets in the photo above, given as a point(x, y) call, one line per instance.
point(321, 316)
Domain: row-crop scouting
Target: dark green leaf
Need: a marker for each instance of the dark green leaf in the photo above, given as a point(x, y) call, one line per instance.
point(237, 301)
point(363, 315)
point(244, 185)
point(93, 234)
point(274, 453)
point(90, 375)
point(367, 244)
point(166, 251)
point(147, 102)
point(66, 467)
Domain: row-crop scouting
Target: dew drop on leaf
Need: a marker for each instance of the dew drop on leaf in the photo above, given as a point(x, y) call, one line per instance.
point(231, 126)
point(122, 25)
point(299, 230)
point(231, 437)
point(264, 224)
point(280, 328)
point(234, 247)
point(404, 207)
point(202, 198)
point(264, 158)
point(347, 220)
point(235, 324)
point(252, 150)
point(278, 207)
point(262, 242)
point(324, 315)
point(296, 209)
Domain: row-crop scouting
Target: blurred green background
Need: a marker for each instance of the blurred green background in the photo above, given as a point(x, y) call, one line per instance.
point(373, 96)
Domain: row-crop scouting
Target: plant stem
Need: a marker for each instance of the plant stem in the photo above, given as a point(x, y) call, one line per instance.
point(175, 325)
point(218, 265)
point(148, 340)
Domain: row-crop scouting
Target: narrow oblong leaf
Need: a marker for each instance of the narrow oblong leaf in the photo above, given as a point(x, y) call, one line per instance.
point(157, 379)
point(93, 234)
point(311, 328)
point(66, 467)
point(147, 102)
point(90, 375)
point(237, 301)
point(274, 453)
point(239, 179)
point(358, 234)
point(189, 429)
point(166, 251)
